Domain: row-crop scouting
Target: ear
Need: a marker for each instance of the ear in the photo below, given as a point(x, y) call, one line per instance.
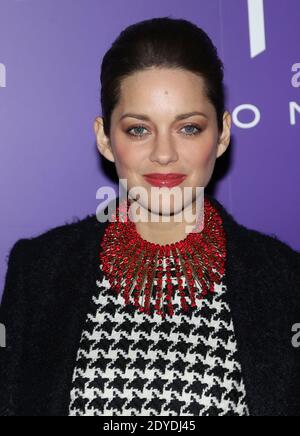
point(224, 139)
point(103, 142)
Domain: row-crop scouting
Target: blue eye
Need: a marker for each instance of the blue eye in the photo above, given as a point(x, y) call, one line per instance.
point(134, 128)
point(194, 127)
point(140, 128)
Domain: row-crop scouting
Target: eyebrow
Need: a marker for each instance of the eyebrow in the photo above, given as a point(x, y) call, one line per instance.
point(178, 117)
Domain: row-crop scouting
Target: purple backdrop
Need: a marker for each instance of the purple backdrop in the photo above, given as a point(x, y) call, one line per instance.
point(50, 55)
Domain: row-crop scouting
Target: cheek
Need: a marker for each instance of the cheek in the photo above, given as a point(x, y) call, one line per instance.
point(126, 159)
point(203, 157)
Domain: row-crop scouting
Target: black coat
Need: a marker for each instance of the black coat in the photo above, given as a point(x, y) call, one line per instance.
point(49, 284)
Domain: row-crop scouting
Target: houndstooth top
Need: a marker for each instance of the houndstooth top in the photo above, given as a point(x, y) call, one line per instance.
point(131, 363)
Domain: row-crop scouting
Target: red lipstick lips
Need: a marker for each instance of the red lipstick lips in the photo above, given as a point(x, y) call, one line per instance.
point(168, 180)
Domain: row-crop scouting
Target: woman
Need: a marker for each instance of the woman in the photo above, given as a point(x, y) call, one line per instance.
point(129, 317)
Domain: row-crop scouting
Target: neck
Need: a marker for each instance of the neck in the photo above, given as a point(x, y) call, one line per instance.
point(175, 230)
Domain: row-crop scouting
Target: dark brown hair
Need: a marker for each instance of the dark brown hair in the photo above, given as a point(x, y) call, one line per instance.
point(161, 42)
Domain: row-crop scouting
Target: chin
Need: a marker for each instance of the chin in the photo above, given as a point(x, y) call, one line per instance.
point(162, 206)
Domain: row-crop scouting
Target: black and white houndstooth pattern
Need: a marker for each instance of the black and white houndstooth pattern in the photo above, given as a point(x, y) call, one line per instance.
point(130, 363)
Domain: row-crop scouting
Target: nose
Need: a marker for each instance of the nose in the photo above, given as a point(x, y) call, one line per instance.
point(164, 151)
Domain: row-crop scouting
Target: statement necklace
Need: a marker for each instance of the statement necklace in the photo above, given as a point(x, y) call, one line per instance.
point(136, 267)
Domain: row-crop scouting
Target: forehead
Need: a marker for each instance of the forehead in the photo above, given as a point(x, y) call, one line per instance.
point(162, 86)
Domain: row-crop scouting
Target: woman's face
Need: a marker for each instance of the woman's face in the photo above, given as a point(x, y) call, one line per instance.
point(163, 143)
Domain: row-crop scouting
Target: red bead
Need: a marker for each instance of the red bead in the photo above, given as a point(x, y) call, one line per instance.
point(125, 252)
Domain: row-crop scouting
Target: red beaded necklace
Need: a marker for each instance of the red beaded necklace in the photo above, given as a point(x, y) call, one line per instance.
point(131, 263)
